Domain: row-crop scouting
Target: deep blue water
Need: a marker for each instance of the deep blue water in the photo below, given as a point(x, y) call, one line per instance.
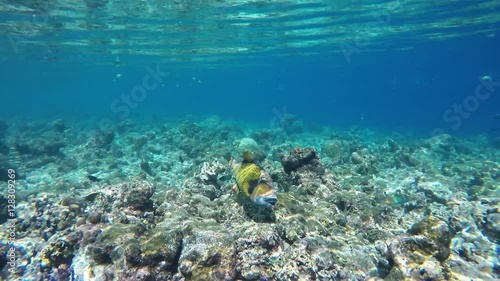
point(393, 90)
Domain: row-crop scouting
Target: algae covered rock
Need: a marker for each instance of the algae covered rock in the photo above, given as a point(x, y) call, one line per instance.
point(40, 147)
point(299, 158)
point(258, 245)
point(134, 194)
point(102, 139)
point(432, 236)
point(492, 226)
point(332, 149)
point(420, 256)
point(138, 195)
point(208, 253)
point(297, 226)
point(109, 244)
point(408, 265)
point(356, 158)
point(135, 253)
point(160, 245)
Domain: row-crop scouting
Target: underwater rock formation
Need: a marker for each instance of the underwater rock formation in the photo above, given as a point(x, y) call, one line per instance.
point(414, 211)
point(333, 149)
point(210, 172)
point(39, 147)
point(299, 158)
point(133, 194)
point(208, 253)
point(432, 236)
point(420, 255)
point(356, 158)
point(492, 226)
point(102, 139)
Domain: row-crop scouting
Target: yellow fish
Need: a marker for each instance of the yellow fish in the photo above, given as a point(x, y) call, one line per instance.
point(252, 182)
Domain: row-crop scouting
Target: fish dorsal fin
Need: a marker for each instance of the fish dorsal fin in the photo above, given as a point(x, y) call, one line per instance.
point(248, 156)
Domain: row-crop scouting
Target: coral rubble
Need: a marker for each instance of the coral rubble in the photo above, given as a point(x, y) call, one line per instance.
point(155, 203)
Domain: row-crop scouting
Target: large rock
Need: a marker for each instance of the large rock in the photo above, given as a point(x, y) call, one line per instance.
point(134, 194)
point(258, 245)
point(300, 158)
point(420, 256)
point(332, 149)
point(492, 226)
point(208, 253)
point(432, 236)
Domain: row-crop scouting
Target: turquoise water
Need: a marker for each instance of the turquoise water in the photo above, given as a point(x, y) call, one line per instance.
point(368, 134)
point(397, 65)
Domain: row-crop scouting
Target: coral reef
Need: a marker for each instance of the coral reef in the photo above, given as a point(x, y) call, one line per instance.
point(154, 203)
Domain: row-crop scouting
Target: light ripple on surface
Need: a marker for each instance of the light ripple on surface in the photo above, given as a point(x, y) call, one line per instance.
point(178, 30)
